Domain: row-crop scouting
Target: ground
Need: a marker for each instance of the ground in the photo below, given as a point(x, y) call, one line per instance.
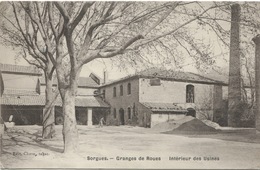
point(132, 147)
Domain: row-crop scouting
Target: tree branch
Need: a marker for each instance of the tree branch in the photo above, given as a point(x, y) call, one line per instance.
point(51, 21)
point(81, 14)
point(176, 29)
point(104, 54)
point(63, 11)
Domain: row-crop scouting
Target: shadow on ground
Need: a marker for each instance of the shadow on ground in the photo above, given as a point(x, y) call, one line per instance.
point(34, 140)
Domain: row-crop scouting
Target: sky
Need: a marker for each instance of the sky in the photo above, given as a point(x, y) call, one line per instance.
point(9, 56)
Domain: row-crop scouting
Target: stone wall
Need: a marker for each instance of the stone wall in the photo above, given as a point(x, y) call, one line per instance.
point(124, 101)
point(165, 92)
point(175, 92)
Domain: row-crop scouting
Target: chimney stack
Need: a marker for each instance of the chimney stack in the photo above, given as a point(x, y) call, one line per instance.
point(234, 87)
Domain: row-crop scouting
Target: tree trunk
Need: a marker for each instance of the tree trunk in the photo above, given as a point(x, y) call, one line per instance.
point(70, 131)
point(234, 87)
point(257, 83)
point(48, 111)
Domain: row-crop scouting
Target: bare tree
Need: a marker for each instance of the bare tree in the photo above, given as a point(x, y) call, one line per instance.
point(103, 30)
point(75, 33)
point(26, 30)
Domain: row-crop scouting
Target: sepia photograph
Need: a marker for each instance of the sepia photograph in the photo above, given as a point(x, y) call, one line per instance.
point(130, 84)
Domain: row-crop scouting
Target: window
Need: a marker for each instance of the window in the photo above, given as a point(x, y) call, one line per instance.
point(129, 88)
point(134, 112)
point(155, 82)
point(104, 94)
point(114, 91)
point(190, 93)
point(114, 112)
point(129, 112)
point(121, 90)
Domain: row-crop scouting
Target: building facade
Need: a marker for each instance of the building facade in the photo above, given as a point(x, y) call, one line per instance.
point(144, 99)
point(24, 97)
point(155, 96)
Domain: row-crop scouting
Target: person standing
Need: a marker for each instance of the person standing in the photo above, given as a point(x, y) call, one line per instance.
point(101, 122)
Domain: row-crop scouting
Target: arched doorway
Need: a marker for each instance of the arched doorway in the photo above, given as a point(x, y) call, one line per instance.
point(191, 112)
point(122, 116)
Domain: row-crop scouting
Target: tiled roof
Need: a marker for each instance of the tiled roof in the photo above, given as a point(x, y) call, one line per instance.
point(164, 107)
point(177, 75)
point(83, 82)
point(19, 92)
point(40, 101)
point(169, 75)
point(8, 68)
point(90, 102)
point(87, 82)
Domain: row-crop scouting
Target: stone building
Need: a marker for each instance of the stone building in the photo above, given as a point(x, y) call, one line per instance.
point(24, 97)
point(153, 96)
point(144, 99)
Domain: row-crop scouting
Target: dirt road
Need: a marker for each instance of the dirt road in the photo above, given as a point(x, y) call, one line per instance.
point(129, 147)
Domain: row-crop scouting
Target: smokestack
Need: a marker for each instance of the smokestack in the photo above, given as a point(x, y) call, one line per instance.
point(105, 77)
point(234, 87)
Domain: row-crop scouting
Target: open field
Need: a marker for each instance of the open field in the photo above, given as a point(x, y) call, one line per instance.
point(132, 147)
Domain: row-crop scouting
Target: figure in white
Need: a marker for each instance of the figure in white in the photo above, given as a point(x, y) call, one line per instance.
point(101, 122)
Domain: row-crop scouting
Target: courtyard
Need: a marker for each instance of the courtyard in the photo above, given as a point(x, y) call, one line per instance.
point(132, 147)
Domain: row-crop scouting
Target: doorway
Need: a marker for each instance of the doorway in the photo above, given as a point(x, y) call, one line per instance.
point(122, 116)
point(191, 112)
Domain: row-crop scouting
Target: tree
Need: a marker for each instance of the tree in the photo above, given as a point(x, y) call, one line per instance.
point(256, 40)
point(103, 30)
point(25, 31)
point(76, 33)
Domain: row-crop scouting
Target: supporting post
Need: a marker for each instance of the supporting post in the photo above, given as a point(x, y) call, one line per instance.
point(257, 82)
point(90, 117)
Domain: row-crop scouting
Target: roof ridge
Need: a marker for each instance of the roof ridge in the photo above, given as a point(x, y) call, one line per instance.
point(173, 74)
point(206, 77)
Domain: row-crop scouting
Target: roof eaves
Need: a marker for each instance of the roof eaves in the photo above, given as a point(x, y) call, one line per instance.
point(18, 69)
point(121, 80)
point(183, 80)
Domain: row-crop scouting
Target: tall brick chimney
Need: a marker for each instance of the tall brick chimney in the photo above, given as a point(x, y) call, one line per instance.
point(257, 82)
point(234, 87)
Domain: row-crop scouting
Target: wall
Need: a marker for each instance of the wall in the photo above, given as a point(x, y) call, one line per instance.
point(20, 81)
point(218, 103)
point(175, 92)
point(82, 91)
point(144, 115)
point(167, 92)
point(157, 118)
point(123, 102)
point(225, 92)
